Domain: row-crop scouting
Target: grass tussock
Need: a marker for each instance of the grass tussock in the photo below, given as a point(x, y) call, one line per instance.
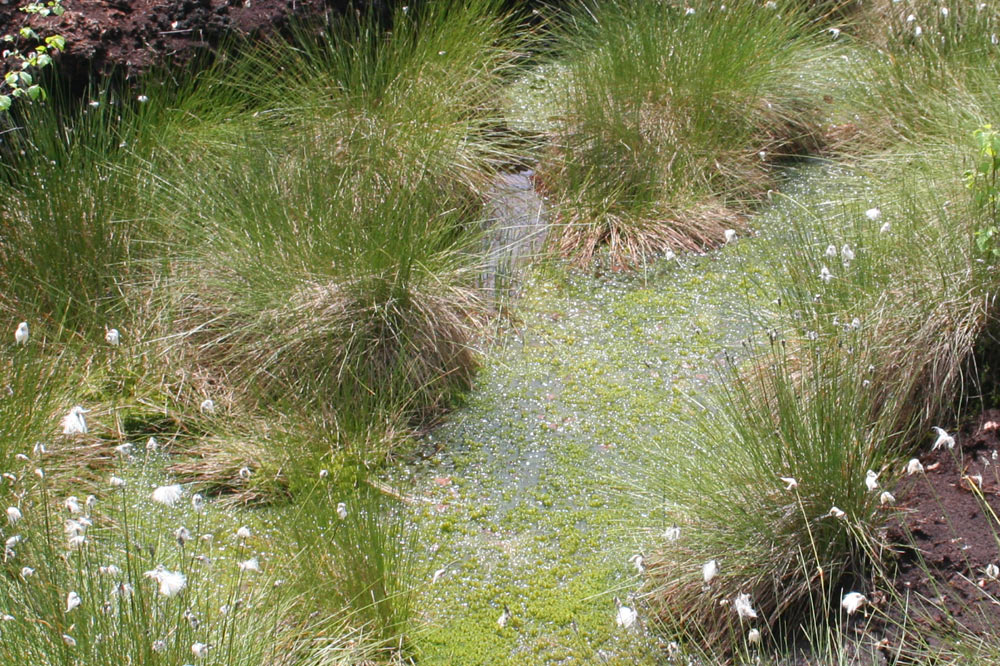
point(360, 565)
point(926, 74)
point(670, 120)
point(779, 545)
point(362, 219)
point(881, 305)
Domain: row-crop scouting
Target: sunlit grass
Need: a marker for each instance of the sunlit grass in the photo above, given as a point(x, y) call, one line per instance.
point(670, 119)
point(881, 298)
point(296, 235)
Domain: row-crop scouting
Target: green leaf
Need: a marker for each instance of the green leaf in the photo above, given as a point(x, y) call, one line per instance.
point(26, 78)
point(58, 42)
point(35, 92)
point(5, 102)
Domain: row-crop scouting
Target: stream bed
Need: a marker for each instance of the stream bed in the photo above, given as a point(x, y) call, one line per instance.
point(526, 496)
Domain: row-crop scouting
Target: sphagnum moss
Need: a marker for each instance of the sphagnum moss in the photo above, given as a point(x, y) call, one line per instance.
point(542, 523)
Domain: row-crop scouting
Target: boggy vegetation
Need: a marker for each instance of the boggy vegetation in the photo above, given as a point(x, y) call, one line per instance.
point(263, 281)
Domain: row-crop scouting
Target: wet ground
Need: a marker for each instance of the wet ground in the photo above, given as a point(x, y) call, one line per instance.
point(524, 497)
point(946, 534)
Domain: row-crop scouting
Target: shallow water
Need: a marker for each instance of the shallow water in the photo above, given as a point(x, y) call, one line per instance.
point(525, 495)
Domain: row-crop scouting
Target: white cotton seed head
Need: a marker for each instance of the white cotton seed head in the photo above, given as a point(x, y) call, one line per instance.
point(13, 515)
point(250, 565)
point(873, 213)
point(730, 235)
point(753, 636)
point(852, 601)
point(199, 650)
point(744, 608)
point(836, 512)
point(116, 481)
point(243, 533)
point(341, 510)
point(208, 406)
point(625, 617)
point(871, 480)
point(72, 601)
point(831, 251)
point(21, 334)
point(790, 482)
point(168, 495)
point(709, 571)
point(673, 533)
point(73, 527)
point(113, 337)
point(914, 466)
point(886, 498)
point(943, 439)
point(171, 582)
point(74, 422)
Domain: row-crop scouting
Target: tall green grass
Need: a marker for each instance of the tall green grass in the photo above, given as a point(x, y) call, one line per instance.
point(935, 85)
point(71, 219)
point(332, 256)
point(294, 228)
point(78, 579)
point(800, 415)
point(868, 349)
point(670, 119)
point(356, 564)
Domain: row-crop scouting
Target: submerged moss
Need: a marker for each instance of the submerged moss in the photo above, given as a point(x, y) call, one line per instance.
point(527, 504)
